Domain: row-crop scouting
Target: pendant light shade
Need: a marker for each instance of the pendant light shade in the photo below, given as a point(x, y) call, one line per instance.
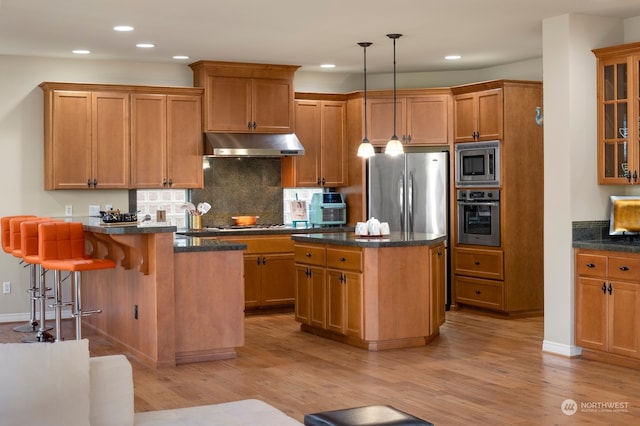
point(394, 146)
point(365, 149)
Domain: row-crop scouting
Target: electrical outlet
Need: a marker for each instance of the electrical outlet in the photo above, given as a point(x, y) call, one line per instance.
point(68, 210)
point(6, 287)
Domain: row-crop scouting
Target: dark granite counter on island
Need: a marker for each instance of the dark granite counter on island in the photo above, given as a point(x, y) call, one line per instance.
point(374, 293)
point(395, 239)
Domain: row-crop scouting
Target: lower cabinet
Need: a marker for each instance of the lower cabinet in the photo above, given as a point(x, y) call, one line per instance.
point(607, 292)
point(329, 289)
point(269, 271)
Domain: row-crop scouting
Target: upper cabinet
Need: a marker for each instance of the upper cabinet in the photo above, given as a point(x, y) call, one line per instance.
point(242, 97)
point(86, 136)
point(166, 141)
point(477, 115)
point(422, 117)
point(618, 114)
point(321, 128)
point(101, 136)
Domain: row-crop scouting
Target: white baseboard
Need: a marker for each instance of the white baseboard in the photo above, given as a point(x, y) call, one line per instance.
point(24, 317)
point(561, 349)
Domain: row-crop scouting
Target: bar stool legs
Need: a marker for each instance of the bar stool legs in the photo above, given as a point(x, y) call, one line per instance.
point(32, 325)
point(78, 311)
point(43, 334)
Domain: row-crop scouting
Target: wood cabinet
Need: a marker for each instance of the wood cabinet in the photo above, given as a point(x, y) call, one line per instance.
point(166, 141)
point(477, 116)
point(374, 298)
point(86, 138)
point(269, 271)
point(421, 119)
point(607, 292)
point(321, 128)
point(507, 279)
point(126, 137)
point(242, 97)
point(618, 104)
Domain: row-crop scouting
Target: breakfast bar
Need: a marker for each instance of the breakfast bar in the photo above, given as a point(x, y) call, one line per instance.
point(171, 299)
point(371, 292)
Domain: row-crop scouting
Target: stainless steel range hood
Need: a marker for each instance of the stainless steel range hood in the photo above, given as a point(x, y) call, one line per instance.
point(252, 145)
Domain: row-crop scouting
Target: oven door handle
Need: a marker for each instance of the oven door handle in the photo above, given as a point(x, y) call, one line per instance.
point(478, 203)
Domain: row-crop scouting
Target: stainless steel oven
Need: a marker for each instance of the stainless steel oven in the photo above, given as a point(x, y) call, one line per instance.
point(478, 220)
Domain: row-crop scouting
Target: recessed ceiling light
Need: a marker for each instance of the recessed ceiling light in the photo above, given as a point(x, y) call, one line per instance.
point(145, 45)
point(81, 52)
point(327, 66)
point(123, 28)
point(180, 57)
point(452, 57)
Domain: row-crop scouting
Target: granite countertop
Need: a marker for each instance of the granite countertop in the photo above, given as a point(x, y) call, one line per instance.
point(95, 224)
point(186, 244)
point(628, 244)
point(286, 230)
point(395, 239)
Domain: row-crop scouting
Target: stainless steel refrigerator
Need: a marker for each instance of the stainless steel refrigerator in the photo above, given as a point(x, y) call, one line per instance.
point(411, 192)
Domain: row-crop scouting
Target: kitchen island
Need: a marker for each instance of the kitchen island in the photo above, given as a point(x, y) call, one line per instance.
point(171, 299)
point(371, 292)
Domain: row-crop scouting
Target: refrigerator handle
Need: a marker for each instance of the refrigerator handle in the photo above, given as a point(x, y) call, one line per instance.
point(410, 202)
point(401, 199)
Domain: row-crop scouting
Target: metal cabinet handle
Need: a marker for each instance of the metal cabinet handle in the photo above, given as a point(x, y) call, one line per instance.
point(610, 289)
point(604, 288)
point(95, 183)
point(591, 265)
point(264, 260)
point(88, 183)
point(164, 182)
point(249, 125)
point(477, 263)
point(343, 259)
point(478, 292)
point(254, 125)
point(170, 182)
point(624, 268)
point(307, 254)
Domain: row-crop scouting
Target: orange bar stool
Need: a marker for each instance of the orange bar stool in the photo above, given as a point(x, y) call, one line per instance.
point(61, 248)
point(5, 226)
point(29, 247)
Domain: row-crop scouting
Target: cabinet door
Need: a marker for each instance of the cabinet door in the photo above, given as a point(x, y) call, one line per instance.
point(427, 120)
point(489, 115)
point(335, 301)
point(69, 162)
point(308, 130)
point(591, 313)
point(437, 285)
point(184, 141)
point(333, 168)
point(148, 141)
point(617, 155)
point(318, 297)
point(303, 294)
point(228, 104)
point(110, 140)
point(380, 120)
point(252, 280)
point(272, 106)
point(624, 318)
point(278, 286)
point(354, 299)
point(464, 117)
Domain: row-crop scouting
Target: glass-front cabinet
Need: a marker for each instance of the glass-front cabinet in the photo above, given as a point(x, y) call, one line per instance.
point(618, 114)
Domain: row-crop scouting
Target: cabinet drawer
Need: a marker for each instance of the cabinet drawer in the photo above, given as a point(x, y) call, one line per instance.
point(479, 263)
point(591, 265)
point(478, 292)
point(624, 268)
point(312, 255)
point(263, 244)
point(344, 259)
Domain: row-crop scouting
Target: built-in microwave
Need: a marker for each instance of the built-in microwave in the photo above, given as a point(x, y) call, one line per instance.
point(478, 164)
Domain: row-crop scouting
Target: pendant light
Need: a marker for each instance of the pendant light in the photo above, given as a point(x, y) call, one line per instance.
point(365, 149)
point(394, 146)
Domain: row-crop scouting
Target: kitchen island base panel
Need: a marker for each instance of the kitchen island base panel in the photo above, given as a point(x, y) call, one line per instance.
point(205, 355)
point(373, 346)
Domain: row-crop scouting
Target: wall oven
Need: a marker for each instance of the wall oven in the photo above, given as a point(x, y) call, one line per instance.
point(478, 220)
point(478, 164)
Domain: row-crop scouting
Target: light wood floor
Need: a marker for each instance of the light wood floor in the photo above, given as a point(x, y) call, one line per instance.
point(479, 371)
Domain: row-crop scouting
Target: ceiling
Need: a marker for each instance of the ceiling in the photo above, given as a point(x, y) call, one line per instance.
point(296, 32)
